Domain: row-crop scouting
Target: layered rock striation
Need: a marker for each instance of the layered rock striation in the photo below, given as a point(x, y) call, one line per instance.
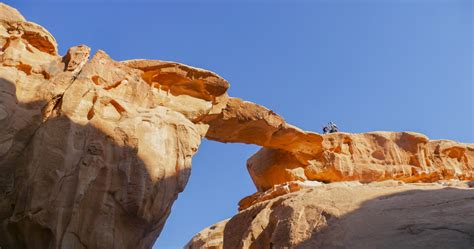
point(368, 157)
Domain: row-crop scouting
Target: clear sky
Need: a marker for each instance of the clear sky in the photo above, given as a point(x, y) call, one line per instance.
point(366, 65)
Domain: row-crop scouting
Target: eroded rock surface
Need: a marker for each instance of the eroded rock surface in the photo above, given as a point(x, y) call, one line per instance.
point(374, 156)
point(246, 122)
point(389, 214)
point(210, 238)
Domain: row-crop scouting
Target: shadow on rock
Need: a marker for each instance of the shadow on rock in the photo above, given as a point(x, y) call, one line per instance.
point(358, 217)
point(66, 185)
point(412, 219)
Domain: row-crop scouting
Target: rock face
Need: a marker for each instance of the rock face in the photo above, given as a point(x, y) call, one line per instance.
point(375, 156)
point(210, 238)
point(387, 214)
point(246, 122)
point(93, 153)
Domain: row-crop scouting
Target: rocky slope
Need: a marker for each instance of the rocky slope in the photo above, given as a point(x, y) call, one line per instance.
point(388, 214)
point(93, 152)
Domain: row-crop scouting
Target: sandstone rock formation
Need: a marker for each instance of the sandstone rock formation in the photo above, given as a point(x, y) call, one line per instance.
point(246, 122)
point(387, 214)
point(93, 153)
point(374, 156)
point(210, 238)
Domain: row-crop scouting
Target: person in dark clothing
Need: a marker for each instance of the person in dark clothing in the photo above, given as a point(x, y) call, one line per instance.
point(330, 128)
point(325, 129)
point(333, 127)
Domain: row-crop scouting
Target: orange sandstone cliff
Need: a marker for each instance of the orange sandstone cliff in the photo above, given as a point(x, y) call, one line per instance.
point(93, 153)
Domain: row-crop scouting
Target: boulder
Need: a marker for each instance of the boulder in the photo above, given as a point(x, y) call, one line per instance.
point(210, 238)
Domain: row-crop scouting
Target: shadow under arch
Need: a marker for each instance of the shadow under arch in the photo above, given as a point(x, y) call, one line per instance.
point(413, 219)
point(66, 185)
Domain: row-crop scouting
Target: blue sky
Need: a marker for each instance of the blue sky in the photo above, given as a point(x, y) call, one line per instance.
point(367, 65)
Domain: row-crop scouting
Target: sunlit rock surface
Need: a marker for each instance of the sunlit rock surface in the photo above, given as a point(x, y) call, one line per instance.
point(367, 157)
